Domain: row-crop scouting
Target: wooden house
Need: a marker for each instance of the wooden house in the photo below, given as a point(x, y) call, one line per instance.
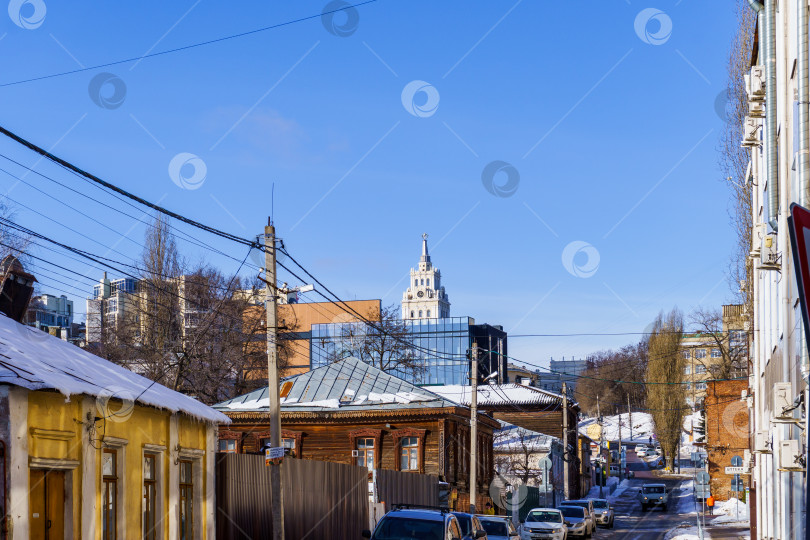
point(531, 408)
point(351, 412)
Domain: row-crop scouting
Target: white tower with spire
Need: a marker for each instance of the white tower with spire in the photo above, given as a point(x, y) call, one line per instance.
point(425, 297)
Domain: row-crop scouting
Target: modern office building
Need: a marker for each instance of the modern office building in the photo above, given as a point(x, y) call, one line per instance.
point(559, 372)
point(440, 346)
point(111, 301)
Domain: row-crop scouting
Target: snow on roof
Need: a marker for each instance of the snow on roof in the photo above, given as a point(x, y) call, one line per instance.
point(498, 394)
point(515, 438)
point(350, 384)
point(34, 359)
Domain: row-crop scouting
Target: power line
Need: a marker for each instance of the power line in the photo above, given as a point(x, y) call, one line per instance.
point(187, 47)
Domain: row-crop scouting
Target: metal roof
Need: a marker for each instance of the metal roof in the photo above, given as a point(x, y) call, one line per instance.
point(348, 385)
point(499, 394)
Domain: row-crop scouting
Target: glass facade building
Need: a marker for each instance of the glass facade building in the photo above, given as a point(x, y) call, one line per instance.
point(440, 345)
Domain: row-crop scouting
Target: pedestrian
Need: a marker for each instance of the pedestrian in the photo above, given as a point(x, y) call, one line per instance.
point(710, 504)
point(650, 441)
point(488, 510)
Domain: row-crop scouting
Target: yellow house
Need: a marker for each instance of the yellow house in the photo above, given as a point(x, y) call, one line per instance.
point(92, 450)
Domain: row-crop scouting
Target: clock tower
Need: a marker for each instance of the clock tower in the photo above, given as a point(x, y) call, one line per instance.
point(425, 297)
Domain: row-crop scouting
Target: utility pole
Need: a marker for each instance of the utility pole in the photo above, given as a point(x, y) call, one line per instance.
point(270, 305)
point(630, 415)
point(620, 444)
point(474, 428)
point(566, 458)
point(601, 444)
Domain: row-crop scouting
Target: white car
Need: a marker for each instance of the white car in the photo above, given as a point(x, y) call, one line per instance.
point(641, 453)
point(544, 524)
point(640, 447)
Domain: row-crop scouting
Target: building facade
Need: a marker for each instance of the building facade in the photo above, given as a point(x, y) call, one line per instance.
point(726, 440)
point(776, 131)
point(47, 311)
point(559, 372)
point(425, 297)
point(350, 412)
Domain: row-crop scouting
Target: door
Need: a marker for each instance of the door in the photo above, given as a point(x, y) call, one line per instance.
point(47, 504)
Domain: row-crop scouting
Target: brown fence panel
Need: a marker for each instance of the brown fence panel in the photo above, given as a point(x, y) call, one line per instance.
point(396, 487)
point(322, 501)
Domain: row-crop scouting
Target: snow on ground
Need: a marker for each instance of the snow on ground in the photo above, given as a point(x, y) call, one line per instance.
point(594, 492)
point(731, 511)
point(684, 533)
point(611, 497)
point(684, 502)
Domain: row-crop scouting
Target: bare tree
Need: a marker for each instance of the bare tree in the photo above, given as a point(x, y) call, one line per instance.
point(666, 395)
point(733, 359)
point(517, 454)
point(387, 344)
point(734, 158)
point(614, 376)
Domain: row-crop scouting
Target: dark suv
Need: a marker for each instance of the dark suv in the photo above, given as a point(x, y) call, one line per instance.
point(421, 524)
point(471, 528)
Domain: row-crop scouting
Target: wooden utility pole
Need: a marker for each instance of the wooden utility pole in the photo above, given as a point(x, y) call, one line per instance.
point(566, 457)
point(630, 415)
point(620, 443)
point(474, 428)
point(274, 407)
point(602, 462)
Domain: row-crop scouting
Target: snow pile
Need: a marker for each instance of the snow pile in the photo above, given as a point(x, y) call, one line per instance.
point(730, 511)
point(612, 484)
point(684, 501)
point(684, 533)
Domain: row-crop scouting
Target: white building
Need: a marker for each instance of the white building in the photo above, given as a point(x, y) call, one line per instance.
point(111, 300)
point(48, 311)
point(425, 297)
point(776, 131)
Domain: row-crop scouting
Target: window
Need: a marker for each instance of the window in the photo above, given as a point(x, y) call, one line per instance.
point(700, 369)
point(700, 386)
point(423, 282)
point(365, 450)
point(409, 454)
point(149, 497)
point(420, 313)
point(700, 353)
point(186, 500)
point(428, 282)
point(288, 443)
point(416, 283)
point(411, 314)
point(687, 370)
point(686, 354)
point(109, 502)
point(716, 353)
point(228, 446)
point(428, 313)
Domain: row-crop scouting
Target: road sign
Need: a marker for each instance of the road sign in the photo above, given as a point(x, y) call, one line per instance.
point(702, 478)
point(799, 228)
point(736, 461)
point(273, 455)
point(737, 483)
point(737, 470)
point(544, 464)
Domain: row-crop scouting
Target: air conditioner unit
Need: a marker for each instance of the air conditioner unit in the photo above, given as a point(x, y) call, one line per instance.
point(782, 399)
point(768, 256)
point(756, 109)
point(755, 84)
point(355, 453)
point(762, 442)
point(744, 394)
point(751, 132)
point(790, 458)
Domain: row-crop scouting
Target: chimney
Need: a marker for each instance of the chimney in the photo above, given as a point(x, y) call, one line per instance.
point(16, 288)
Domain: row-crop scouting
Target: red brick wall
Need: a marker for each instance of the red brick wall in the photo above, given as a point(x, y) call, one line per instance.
point(726, 433)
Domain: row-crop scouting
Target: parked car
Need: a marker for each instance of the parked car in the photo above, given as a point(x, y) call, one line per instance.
point(604, 512)
point(576, 520)
point(641, 447)
point(470, 526)
point(651, 495)
point(587, 504)
point(642, 452)
point(499, 528)
point(614, 470)
point(422, 524)
point(544, 524)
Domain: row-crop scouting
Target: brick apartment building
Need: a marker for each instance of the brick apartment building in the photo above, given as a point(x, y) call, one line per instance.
point(726, 433)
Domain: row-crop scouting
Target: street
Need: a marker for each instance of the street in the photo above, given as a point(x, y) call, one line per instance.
point(631, 523)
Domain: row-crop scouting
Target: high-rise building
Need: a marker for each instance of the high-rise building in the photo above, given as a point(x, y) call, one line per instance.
point(47, 312)
point(425, 297)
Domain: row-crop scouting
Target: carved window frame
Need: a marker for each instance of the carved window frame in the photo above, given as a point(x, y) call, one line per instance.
point(366, 433)
point(400, 434)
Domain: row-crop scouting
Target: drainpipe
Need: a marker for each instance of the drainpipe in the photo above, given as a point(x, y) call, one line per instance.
point(771, 162)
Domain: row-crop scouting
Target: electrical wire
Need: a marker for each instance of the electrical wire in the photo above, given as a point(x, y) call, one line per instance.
point(190, 46)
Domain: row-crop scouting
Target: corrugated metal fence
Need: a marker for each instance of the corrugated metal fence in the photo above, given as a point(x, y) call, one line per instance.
point(395, 487)
point(322, 501)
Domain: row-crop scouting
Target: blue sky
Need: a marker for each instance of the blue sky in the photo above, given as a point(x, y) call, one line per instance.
point(606, 124)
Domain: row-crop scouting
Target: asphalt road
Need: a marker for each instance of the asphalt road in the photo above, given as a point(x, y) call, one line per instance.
point(631, 523)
